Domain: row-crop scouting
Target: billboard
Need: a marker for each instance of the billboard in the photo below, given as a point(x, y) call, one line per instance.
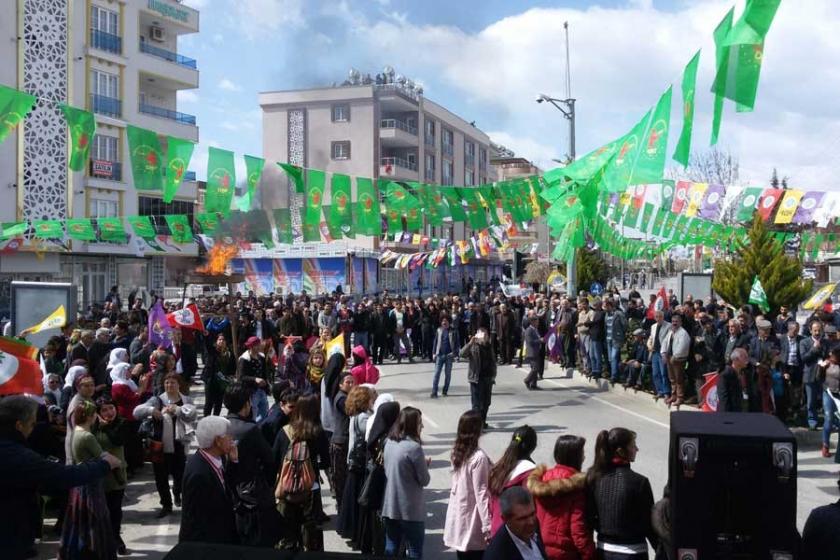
point(323, 276)
point(371, 276)
point(288, 276)
point(358, 275)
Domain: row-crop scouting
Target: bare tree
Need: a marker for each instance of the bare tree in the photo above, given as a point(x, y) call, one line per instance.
point(713, 166)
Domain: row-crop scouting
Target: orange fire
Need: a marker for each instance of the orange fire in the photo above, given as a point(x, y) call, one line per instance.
point(218, 258)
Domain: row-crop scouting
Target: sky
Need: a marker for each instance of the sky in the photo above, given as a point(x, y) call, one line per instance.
point(486, 60)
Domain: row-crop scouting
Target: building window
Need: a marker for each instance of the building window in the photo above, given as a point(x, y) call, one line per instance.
point(105, 92)
point(482, 158)
point(469, 177)
point(430, 132)
point(469, 153)
point(156, 208)
point(447, 142)
point(101, 208)
point(104, 20)
point(448, 170)
point(104, 147)
point(341, 150)
point(341, 113)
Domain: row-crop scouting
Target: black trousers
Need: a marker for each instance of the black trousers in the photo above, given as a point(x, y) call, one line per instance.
point(379, 348)
point(213, 395)
point(114, 500)
point(481, 393)
point(172, 465)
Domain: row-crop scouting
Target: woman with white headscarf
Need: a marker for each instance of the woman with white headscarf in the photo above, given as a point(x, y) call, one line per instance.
point(82, 386)
point(380, 400)
point(117, 356)
point(127, 395)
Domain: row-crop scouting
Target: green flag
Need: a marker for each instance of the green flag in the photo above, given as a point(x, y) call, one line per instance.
point(295, 173)
point(81, 125)
point(253, 170)
point(221, 181)
point(14, 106)
point(432, 202)
point(584, 168)
point(394, 220)
point(647, 216)
point(178, 155)
point(368, 221)
point(48, 229)
point(721, 62)
point(632, 216)
point(651, 156)
point(758, 297)
point(111, 229)
point(80, 229)
point(315, 183)
point(453, 204)
point(209, 222)
point(747, 204)
point(179, 228)
point(413, 218)
point(689, 81)
point(332, 228)
point(340, 216)
point(667, 194)
point(659, 221)
point(146, 159)
point(475, 211)
point(13, 229)
point(142, 226)
point(620, 169)
point(283, 225)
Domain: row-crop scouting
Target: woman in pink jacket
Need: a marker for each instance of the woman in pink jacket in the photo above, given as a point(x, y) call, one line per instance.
point(363, 370)
point(467, 528)
point(511, 470)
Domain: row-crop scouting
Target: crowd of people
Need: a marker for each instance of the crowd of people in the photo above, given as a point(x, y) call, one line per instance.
point(115, 401)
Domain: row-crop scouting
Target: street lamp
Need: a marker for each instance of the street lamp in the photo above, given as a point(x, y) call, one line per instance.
point(567, 108)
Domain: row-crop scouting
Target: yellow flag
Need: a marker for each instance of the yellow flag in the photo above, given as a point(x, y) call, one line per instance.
point(819, 298)
point(335, 346)
point(695, 198)
point(55, 320)
point(415, 239)
point(788, 206)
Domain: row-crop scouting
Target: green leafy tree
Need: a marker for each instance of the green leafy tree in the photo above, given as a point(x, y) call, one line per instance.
point(591, 267)
point(761, 255)
point(537, 272)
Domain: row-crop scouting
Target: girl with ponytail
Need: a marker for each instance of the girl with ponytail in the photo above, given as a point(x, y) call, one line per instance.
point(619, 500)
point(511, 470)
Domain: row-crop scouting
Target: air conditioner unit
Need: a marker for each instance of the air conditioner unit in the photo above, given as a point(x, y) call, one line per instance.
point(157, 34)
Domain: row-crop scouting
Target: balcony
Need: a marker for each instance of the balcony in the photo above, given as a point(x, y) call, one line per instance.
point(176, 116)
point(394, 123)
point(170, 56)
point(448, 149)
point(394, 133)
point(397, 167)
point(104, 169)
point(105, 41)
point(107, 106)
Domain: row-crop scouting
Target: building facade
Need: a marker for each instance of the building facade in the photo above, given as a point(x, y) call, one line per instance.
point(119, 59)
point(382, 128)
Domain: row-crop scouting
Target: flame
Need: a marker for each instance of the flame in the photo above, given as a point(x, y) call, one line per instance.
point(218, 258)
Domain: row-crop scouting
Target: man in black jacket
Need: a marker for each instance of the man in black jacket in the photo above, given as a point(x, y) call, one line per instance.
point(482, 371)
point(736, 390)
point(207, 512)
point(518, 538)
point(23, 472)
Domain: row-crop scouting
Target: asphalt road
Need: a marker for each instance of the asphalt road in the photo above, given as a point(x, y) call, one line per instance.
point(564, 406)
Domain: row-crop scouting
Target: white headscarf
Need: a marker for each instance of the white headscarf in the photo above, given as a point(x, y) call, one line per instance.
point(380, 400)
point(118, 356)
point(121, 375)
point(73, 374)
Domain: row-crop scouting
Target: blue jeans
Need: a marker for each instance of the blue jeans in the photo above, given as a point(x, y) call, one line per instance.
point(362, 338)
point(596, 353)
point(659, 372)
point(830, 421)
point(813, 394)
point(410, 532)
point(259, 405)
point(443, 362)
point(614, 351)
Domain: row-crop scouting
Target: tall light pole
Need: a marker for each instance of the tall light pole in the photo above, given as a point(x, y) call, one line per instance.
point(567, 108)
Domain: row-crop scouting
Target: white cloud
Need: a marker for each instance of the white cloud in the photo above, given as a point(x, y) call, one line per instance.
point(218, 39)
point(228, 85)
point(540, 154)
point(187, 96)
point(622, 60)
point(258, 17)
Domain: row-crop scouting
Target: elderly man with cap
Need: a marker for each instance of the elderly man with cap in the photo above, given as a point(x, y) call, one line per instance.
point(596, 338)
point(207, 513)
point(638, 359)
point(761, 346)
point(582, 342)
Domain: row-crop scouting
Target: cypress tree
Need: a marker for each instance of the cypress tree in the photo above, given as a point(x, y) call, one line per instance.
point(760, 254)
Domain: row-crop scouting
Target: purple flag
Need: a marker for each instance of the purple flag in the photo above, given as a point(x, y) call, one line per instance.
point(160, 333)
point(810, 201)
point(710, 210)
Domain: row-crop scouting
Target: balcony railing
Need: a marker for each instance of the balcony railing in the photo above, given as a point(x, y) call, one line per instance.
point(398, 162)
point(167, 55)
point(105, 41)
point(394, 123)
point(167, 114)
point(429, 140)
point(105, 105)
point(104, 169)
point(400, 89)
point(448, 149)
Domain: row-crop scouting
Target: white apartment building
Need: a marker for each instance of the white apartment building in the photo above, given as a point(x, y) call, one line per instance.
point(119, 59)
point(378, 128)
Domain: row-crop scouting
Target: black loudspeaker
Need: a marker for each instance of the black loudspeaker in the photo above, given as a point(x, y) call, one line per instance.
point(207, 551)
point(732, 479)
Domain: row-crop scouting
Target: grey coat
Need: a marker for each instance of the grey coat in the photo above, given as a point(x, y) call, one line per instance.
point(533, 343)
point(810, 357)
point(407, 475)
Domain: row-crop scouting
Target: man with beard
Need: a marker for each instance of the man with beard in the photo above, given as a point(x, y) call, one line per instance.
point(482, 371)
point(506, 326)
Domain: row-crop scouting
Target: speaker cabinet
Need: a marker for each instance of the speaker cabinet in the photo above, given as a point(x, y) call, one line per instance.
point(732, 479)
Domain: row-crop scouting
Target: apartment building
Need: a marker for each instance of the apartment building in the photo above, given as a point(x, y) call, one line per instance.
point(382, 127)
point(119, 59)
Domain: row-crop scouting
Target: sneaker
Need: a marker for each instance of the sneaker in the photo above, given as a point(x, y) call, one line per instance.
point(445, 394)
point(825, 451)
point(177, 501)
point(433, 396)
point(164, 511)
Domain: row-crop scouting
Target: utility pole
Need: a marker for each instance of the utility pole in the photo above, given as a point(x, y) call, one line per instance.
point(567, 108)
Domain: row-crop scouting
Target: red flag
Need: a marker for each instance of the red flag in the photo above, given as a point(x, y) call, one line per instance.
point(639, 196)
point(708, 392)
point(769, 199)
point(19, 375)
point(662, 302)
point(680, 196)
point(19, 348)
point(186, 318)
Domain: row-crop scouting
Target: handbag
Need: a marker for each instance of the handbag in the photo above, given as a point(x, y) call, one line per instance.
point(356, 461)
point(372, 493)
point(154, 451)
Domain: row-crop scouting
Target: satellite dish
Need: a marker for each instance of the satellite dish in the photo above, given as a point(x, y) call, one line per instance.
point(419, 90)
point(388, 70)
point(400, 79)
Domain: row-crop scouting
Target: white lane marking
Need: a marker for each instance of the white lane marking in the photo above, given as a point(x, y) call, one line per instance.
point(427, 418)
point(608, 403)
